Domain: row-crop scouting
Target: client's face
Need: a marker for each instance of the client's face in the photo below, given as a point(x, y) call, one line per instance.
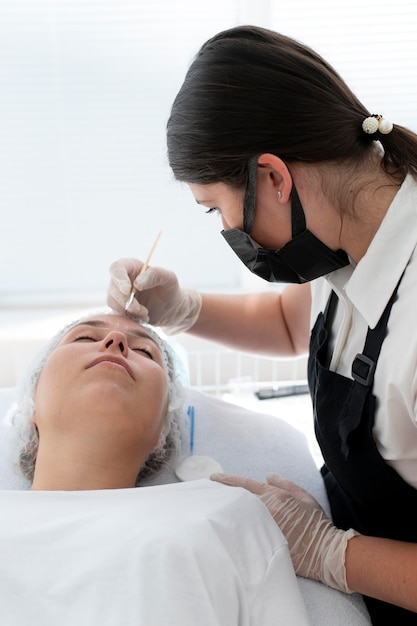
point(104, 383)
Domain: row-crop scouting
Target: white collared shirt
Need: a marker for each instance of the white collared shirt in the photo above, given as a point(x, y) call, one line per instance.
point(364, 292)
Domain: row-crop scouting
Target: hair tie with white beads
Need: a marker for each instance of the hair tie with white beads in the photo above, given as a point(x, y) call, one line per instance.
point(376, 123)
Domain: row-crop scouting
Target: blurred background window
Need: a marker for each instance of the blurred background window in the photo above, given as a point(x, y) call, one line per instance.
point(85, 93)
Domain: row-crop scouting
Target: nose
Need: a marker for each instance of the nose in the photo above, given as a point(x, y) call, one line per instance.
point(115, 341)
point(224, 223)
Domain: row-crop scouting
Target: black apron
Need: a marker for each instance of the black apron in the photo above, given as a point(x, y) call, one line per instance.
point(364, 492)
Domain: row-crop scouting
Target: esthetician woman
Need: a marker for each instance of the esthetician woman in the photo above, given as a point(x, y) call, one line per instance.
point(315, 190)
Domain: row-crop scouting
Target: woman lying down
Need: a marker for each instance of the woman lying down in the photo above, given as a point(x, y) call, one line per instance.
point(102, 407)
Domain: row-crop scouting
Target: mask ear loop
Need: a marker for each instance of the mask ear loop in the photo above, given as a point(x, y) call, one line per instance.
point(298, 219)
point(250, 195)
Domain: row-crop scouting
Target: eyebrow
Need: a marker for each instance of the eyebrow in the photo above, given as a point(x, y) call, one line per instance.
point(137, 332)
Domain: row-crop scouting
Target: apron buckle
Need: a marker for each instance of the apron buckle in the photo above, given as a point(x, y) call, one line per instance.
point(363, 369)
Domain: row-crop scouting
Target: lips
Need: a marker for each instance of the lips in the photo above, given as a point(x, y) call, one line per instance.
point(112, 359)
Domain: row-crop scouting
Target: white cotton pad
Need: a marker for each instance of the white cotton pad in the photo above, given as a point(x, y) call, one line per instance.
point(195, 467)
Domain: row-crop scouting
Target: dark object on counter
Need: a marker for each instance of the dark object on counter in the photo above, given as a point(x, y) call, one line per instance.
point(282, 391)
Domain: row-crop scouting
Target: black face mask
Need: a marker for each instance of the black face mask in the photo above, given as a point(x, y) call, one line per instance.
point(302, 259)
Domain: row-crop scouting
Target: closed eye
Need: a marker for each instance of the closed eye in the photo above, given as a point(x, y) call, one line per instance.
point(84, 338)
point(145, 351)
point(214, 210)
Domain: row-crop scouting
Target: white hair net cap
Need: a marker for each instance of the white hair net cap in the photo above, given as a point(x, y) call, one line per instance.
point(21, 430)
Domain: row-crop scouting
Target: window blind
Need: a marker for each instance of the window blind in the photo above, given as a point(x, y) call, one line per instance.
point(85, 92)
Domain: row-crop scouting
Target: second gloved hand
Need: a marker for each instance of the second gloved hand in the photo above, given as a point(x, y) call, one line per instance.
point(159, 299)
point(317, 547)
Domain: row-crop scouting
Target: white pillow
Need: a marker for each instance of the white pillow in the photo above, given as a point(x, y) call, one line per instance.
point(10, 476)
point(251, 444)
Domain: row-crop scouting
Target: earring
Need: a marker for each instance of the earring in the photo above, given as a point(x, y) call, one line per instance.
point(279, 195)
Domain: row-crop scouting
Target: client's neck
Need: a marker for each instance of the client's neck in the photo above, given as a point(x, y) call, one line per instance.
point(78, 481)
point(71, 472)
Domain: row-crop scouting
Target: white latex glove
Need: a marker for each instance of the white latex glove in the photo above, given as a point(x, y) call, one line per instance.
point(317, 547)
point(159, 299)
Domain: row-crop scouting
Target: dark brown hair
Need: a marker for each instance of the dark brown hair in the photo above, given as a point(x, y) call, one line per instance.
point(250, 90)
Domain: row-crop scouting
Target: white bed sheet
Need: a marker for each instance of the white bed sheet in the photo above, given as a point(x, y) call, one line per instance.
point(178, 555)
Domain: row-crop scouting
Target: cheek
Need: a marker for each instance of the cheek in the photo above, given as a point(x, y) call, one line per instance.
point(225, 223)
point(232, 217)
point(55, 389)
point(272, 225)
point(46, 389)
point(158, 387)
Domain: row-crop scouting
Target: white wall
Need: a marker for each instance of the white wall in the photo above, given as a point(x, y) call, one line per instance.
point(86, 88)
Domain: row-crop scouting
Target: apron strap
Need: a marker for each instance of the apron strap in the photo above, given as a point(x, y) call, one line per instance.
point(363, 371)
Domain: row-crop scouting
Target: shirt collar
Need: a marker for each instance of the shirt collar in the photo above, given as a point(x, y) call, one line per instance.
point(371, 283)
